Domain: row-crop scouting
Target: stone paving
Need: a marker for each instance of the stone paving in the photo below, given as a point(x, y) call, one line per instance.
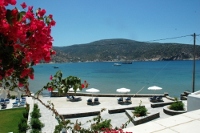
point(63, 106)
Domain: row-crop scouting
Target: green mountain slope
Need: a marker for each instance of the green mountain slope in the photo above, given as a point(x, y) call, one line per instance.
point(124, 49)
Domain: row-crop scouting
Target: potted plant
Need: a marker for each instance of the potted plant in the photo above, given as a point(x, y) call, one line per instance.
point(175, 108)
point(140, 110)
point(177, 105)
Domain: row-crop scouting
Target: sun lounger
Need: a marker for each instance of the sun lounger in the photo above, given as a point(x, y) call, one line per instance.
point(23, 99)
point(128, 100)
point(120, 100)
point(7, 101)
point(153, 99)
point(156, 99)
point(15, 104)
point(72, 98)
point(159, 99)
point(21, 104)
point(2, 101)
point(89, 101)
point(76, 98)
point(69, 97)
point(17, 100)
point(96, 100)
point(3, 106)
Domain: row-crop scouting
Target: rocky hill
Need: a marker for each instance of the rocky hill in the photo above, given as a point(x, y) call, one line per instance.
point(123, 50)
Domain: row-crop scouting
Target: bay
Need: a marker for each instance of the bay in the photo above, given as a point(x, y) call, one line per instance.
point(174, 77)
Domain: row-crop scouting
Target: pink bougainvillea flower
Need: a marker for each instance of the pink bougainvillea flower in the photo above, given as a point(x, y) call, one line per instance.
point(53, 52)
point(50, 16)
point(51, 77)
point(41, 12)
point(53, 23)
point(50, 89)
point(28, 35)
point(23, 5)
point(20, 84)
point(86, 84)
point(12, 2)
point(9, 72)
point(31, 76)
point(82, 86)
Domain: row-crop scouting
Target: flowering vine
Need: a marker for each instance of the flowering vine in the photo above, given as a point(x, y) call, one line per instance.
point(25, 40)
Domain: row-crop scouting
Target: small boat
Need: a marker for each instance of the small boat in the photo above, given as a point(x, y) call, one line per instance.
point(117, 64)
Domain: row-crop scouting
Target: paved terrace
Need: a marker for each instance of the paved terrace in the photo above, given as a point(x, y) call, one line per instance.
point(183, 123)
point(65, 107)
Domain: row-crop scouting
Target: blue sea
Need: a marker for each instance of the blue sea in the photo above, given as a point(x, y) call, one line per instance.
point(174, 77)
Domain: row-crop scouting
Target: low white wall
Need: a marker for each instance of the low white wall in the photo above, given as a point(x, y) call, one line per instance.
point(193, 101)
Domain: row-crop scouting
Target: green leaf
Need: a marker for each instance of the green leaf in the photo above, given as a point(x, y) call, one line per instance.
point(9, 16)
point(20, 15)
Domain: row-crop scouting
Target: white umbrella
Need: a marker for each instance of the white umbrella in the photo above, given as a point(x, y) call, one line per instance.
point(154, 88)
point(123, 90)
point(92, 90)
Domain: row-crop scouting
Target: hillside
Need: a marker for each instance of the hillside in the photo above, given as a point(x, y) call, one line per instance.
point(124, 49)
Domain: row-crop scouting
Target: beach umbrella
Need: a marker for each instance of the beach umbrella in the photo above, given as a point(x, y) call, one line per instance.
point(154, 88)
point(123, 90)
point(92, 90)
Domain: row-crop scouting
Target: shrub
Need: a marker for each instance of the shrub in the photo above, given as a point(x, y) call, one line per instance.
point(140, 110)
point(101, 125)
point(25, 114)
point(35, 131)
point(58, 128)
point(36, 114)
point(36, 124)
point(35, 106)
point(22, 126)
point(177, 105)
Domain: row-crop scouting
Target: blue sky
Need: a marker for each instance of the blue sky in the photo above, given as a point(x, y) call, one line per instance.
point(84, 21)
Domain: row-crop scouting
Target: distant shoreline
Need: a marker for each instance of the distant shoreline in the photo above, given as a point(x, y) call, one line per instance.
point(147, 60)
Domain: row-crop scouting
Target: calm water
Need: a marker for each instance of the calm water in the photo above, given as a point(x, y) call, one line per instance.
point(173, 76)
